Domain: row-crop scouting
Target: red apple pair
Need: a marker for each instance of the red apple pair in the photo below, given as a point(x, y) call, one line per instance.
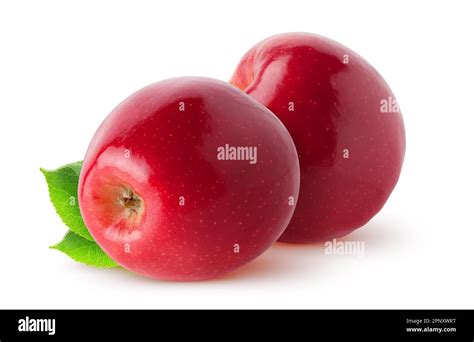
point(190, 178)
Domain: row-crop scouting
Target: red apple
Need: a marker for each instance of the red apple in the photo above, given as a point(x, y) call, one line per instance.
point(345, 123)
point(188, 179)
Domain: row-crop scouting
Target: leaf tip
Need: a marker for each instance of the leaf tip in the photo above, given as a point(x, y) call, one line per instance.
point(44, 171)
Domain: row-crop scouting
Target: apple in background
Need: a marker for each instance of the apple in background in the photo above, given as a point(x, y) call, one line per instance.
point(188, 179)
point(345, 123)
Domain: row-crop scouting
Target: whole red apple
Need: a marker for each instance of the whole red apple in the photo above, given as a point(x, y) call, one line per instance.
point(345, 123)
point(188, 179)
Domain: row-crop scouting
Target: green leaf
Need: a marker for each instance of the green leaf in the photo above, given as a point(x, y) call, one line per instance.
point(62, 185)
point(84, 251)
point(78, 242)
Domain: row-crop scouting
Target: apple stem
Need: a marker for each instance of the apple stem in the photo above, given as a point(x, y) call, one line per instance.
point(132, 202)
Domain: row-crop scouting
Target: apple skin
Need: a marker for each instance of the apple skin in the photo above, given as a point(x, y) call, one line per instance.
point(350, 149)
point(156, 198)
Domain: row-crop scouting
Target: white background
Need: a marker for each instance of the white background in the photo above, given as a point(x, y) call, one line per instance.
point(64, 65)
